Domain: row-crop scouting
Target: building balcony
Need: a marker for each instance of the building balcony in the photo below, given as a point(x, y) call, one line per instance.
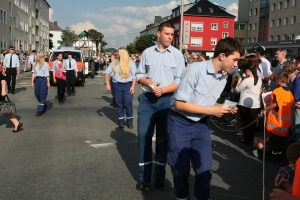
point(37, 38)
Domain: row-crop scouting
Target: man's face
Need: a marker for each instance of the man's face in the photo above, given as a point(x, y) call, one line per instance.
point(229, 62)
point(70, 56)
point(11, 50)
point(279, 56)
point(165, 36)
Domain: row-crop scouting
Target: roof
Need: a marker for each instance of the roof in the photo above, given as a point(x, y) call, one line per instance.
point(207, 9)
point(87, 34)
point(54, 27)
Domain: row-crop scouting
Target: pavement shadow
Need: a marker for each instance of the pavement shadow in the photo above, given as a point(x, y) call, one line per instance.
point(107, 99)
point(108, 112)
point(49, 105)
point(4, 120)
point(17, 90)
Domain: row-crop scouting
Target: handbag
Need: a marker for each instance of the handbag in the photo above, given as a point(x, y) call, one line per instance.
point(7, 107)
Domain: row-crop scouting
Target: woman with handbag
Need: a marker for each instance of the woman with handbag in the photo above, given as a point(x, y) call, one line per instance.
point(40, 82)
point(59, 77)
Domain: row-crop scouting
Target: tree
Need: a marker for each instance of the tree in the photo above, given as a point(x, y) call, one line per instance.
point(98, 36)
point(143, 42)
point(50, 41)
point(67, 37)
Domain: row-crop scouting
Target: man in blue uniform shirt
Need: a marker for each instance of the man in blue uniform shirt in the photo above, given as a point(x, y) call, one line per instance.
point(189, 135)
point(12, 68)
point(71, 66)
point(32, 59)
point(159, 72)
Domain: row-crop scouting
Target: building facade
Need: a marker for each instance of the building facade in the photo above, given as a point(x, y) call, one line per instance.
point(56, 31)
point(272, 23)
point(25, 25)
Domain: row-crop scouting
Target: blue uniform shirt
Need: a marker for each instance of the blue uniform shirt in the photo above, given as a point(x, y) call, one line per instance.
point(164, 67)
point(199, 85)
point(73, 64)
point(32, 59)
point(15, 61)
point(44, 72)
point(116, 78)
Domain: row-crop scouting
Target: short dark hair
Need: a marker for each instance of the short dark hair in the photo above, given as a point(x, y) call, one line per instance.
point(293, 152)
point(283, 76)
point(260, 50)
point(165, 24)
point(228, 46)
point(297, 59)
point(69, 53)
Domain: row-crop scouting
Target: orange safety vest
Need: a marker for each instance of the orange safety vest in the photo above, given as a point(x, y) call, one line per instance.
point(280, 121)
point(296, 182)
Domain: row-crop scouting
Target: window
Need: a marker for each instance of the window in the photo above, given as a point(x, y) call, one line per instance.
point(293, 20)
point(272, 23)
point(254, 27)
point(284, 37)
point(196, 41)
point(214, 26)
point(277, 37)
point(249, 27)
point(248, 40)
point(199, 9)
point(294, 3)
point(240, 27)
point(10, 9)
point(250, 13)
point(3, 17)
point(254, 39)
point(279, 5)
point(271, 38)
point(211, 10)
point(286, 3)
point(10, 34)
point(225, 34)
point(241, 40)
point(285, 21)
point(213, 41)
point(197, 27)
point(278, 22)
point(3, 42)
point(16, 22)
point(273, 7)
point(255, 11)
point(292, 36)
point(225, 24)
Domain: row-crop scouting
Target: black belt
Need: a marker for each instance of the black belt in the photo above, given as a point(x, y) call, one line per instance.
point(174, 113)
point(40, 77)
point(163, 95)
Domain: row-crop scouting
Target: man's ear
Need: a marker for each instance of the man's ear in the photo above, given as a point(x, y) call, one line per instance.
point(221, 57)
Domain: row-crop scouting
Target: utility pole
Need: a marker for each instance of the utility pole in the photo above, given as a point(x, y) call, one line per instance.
point(181, 25)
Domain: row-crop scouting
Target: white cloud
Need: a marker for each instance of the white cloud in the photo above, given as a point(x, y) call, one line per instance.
point(233, 9)
point(79, 27)
point(50, 14)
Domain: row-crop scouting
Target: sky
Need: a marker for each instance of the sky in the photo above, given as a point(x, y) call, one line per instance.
point(120, 20)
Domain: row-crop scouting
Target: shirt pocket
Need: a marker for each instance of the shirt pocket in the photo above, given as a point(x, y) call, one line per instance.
point(201, 95)
point(149, 65)
point(171, 64)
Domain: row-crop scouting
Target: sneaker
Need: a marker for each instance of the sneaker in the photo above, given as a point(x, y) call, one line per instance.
point(240, 133)
point(141, 185)
point(121, 125)
point(231, 124)
point(159, 182)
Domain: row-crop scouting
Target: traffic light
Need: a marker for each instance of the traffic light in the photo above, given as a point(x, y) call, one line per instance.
point(154, 39)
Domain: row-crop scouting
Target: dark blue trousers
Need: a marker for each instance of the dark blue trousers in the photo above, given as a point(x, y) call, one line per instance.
point(123, 99)
point(190, 142)
point(112, 90)
point(152, 113)
point(41, 92)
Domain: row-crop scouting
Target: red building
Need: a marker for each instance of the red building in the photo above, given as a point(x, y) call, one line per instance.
point(204, 24)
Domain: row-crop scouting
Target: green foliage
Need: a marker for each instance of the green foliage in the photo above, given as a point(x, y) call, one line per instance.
point(67, 37)
point(141, 43)
point(98, 36)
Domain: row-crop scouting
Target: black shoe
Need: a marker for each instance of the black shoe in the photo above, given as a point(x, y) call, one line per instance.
point(9, 91)
point(141, 185)
point(60, 102)
point(38, 114)
point(159, 182)
point(68, 95)
point(18, 128)
point(130, 125)
point(73, 93)
point(115, 106)
point(121, 125)
point(111, 104)
point(12, 92)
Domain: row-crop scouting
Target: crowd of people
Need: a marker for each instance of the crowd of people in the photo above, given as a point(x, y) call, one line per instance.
point(181, 91)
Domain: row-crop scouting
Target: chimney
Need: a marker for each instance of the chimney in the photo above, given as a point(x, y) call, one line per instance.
point(55, 23)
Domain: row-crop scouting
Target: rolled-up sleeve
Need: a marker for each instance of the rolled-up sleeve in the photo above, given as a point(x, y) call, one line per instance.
point(179, 68)
point(141, 71)
point(132, 70)
point(109, 68)
point(187, 84)
point(46, 66)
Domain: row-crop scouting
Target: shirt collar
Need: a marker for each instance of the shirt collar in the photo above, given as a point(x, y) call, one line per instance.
point(167, 49)
point(210, 70)
point(283, 61)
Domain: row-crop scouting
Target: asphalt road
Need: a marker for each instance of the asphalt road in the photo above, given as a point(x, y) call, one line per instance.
point(76, 151)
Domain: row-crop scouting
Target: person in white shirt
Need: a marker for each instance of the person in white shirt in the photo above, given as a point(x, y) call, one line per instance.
point(11, 67)
point(32, 59)
point(249, 104)
point(71, 66)
point(265, 65)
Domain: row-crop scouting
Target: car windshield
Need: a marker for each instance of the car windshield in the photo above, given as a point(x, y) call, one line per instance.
point(76, 55)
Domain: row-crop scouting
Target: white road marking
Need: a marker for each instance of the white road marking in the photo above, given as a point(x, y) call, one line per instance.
point(102, 145)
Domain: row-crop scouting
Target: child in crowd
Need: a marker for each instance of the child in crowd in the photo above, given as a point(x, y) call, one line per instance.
point(285, 176)
point(279, 116)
